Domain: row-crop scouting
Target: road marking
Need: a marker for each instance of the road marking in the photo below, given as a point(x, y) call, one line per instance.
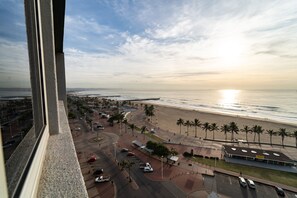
point(230, 180)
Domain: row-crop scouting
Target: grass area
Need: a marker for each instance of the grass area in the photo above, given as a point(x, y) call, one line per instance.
point(154, 137)
point(286, 178)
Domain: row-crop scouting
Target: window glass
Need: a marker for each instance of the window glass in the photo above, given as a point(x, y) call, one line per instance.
point(16, 113)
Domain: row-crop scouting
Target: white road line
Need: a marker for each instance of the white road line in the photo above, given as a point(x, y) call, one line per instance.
point(230, 180)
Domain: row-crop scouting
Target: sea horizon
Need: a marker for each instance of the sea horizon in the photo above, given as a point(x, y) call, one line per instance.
point(271, 105)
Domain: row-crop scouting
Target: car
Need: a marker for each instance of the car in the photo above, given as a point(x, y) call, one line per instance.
point(98, 172)
point(142, 165)
point(92, 159)
point(124, 150)
point(102, 179)
point(148, 169)
point(153, 130)
point(251, 183)
point(130, 154)
point(242, 182)
point(100, 127)
point(279, 191)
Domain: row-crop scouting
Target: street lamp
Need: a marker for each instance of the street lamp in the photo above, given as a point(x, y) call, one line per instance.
point(115, 150)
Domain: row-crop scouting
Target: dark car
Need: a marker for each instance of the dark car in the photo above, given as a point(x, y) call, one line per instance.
point(130, 154)
point(124, 150)
point(98, 172)
point(280, 191)
point(92, 159)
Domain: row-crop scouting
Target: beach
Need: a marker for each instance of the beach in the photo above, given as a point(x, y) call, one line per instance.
point(166, 118)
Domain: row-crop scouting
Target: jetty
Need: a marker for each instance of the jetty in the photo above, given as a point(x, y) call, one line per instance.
point(142, 99)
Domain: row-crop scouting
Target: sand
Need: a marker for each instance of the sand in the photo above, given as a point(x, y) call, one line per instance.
point(166, 118)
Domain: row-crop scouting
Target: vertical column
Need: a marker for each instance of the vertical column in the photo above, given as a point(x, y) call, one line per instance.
point(49, 64)
point(60, 63)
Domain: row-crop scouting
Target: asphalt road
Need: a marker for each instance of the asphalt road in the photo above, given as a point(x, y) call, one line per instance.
point(147, 188)
point(229, 186)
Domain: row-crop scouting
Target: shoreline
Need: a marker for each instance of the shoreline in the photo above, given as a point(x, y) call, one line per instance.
point(225, 114)
point(166, 117)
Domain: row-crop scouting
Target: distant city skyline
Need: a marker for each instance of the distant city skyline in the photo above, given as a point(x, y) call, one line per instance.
point(165, 44)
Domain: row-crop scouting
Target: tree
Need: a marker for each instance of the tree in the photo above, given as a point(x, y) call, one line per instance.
point(149, 111)
point(142, 130)
point(206, 127)
point(132, 126)
point(254, 130)
point(196, 124)
point(282, 132)
point(125, 122)
point(187, 124)
point(247, 130)
point(127, 164)
point(225, 128)
point(295, 135)
point(259, 132)
point(180, 122)
point(214, 127)
point(234, 129)
point(271, 133)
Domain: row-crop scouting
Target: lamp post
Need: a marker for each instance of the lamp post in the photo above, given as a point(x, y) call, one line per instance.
point(115, 150)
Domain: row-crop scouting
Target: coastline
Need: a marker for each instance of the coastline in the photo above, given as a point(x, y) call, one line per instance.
point(166, 117)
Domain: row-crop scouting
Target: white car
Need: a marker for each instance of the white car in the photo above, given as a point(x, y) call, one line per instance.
point(148, 169)
point(242, 182)
point(102, 179)
point(251, 183)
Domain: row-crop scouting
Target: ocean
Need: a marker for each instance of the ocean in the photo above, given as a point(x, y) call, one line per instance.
point(275, 105)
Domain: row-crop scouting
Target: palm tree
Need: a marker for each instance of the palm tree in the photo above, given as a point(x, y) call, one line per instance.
point(196, 124)
point(234, 129)
point(187, 124)
point(206, 127)
point(214, 127)
point(132, 126)
point(225, 128)
point(142, 130)
point(271, 133)
point(246, 129)
point(180, 122)
point(282, 132)
point(295, 135)
point(254, 130)
point(259, 131)
point(127, 164)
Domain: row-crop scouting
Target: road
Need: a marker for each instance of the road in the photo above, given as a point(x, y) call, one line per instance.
point(229, 186)
point(146, 187)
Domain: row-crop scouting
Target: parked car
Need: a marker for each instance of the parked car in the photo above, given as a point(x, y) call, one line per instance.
point(98, 172)
point(148, 169)
point(124, 150)
point(102, 179)
point(141, 165)
point(279, 191)
point(130, 154)
point(251, 183)
point(100, 126)
point(92, 159)
point(242, 182)
point(153, 130)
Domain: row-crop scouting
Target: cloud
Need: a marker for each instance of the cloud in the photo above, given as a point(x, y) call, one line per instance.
point(184, 39)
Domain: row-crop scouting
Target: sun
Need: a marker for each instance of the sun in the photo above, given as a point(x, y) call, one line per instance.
point(230, 50)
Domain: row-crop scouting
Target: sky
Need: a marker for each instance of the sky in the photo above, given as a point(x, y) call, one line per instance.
point(166, 44)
